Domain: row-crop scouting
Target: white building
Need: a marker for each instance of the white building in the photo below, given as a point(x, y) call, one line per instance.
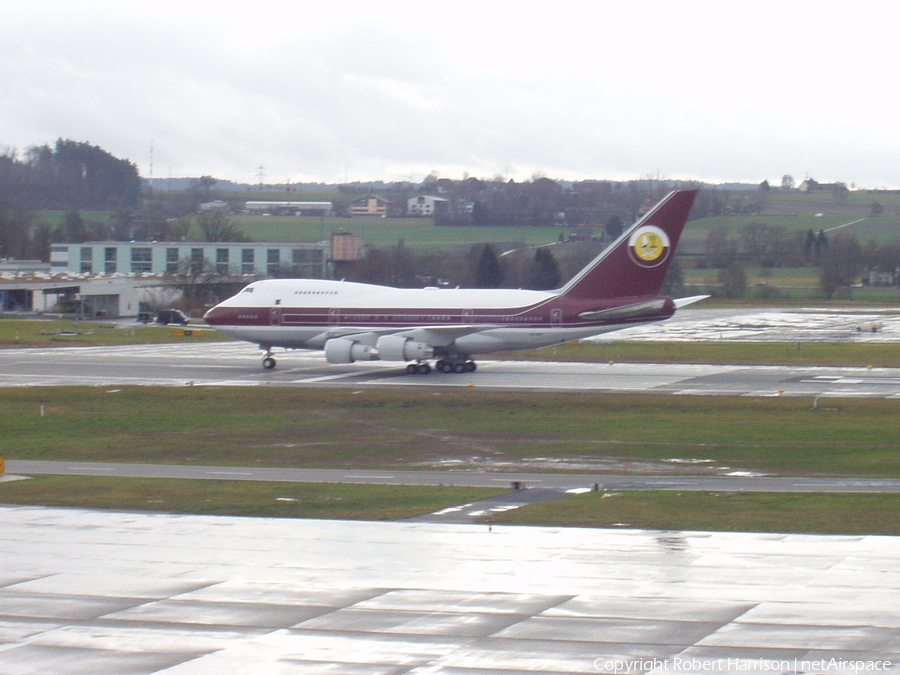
point(305, 259)
point(90, 297)
point(425, 205)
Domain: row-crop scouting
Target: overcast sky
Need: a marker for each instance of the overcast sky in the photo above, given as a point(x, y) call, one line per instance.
point(333, 91)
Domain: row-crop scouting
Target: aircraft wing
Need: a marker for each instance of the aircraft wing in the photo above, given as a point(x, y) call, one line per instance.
point(442, 336)
point(436, 336)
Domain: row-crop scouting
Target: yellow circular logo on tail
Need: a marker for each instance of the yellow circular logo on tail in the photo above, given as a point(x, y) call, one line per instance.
point(648, 246)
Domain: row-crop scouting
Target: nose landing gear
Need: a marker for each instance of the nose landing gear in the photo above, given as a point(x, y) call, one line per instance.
point(268, 361)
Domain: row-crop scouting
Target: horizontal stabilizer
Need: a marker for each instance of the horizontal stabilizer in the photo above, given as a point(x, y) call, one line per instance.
point(638, 309)
point(684, 302)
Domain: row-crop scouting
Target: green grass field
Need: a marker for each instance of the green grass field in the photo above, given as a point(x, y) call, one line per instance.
point(300, 427)
point(821, 513)
point(803, 277)
point(239, 498)
point(63, 333)
point(385, 232)
point(860, 354)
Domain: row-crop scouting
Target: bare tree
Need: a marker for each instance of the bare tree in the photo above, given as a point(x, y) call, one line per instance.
point(841, 263)
point(217, 226)
point(721, 249)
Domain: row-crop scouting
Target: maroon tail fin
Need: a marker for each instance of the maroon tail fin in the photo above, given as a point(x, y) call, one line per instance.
point(636, 263)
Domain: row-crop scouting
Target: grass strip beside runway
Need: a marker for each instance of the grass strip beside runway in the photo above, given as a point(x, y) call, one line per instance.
point(823, 513)
point(722, 352)
point(17, 333)
point(240, 498)
point(465, 429)
point(819, 513)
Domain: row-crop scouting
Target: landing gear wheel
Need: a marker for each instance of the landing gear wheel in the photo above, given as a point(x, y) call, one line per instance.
point(418, 369)
point(412, 369)
point(455, 366)
point(424, 369)
point(269, 363)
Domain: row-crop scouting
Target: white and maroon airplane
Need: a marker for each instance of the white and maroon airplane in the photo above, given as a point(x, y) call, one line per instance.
point(363, 322)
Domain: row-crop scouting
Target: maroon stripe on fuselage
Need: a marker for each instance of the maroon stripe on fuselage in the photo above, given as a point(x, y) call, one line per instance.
point(557, 311)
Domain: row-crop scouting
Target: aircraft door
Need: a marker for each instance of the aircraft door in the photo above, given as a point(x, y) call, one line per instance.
point(275, 316)
point(334, 316)
point(556, 316)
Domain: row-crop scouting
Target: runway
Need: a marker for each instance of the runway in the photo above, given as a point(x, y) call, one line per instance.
point(134, 594)
point(722, 482)
point(238, 364)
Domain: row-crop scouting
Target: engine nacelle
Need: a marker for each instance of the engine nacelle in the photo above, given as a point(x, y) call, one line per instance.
point(339, 350)
point(397, 348)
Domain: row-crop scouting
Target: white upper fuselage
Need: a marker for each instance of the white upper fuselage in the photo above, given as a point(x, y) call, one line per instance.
point(324, 293)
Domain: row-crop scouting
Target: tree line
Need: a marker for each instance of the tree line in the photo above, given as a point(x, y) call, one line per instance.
point(541, 201)
point(842, 260)
point(69, 176)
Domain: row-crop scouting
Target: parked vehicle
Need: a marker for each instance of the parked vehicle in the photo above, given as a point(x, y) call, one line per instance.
point(170, 316)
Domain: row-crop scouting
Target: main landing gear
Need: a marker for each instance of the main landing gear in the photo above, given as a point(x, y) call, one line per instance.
point(443, 366)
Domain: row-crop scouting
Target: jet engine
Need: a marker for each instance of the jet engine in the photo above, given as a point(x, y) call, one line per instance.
point(340, 350)
point(397, 348)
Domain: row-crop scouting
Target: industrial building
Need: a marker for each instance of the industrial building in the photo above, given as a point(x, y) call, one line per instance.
point(308, 260)
point(288, 208)
point(115, 278)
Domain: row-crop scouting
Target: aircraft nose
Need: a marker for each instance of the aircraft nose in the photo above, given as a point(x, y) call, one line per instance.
point(213, 316)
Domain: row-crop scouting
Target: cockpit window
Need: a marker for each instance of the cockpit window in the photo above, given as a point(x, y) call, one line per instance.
point(249, 289)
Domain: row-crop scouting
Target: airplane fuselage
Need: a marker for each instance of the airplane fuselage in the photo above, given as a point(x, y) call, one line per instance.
point(307, 313)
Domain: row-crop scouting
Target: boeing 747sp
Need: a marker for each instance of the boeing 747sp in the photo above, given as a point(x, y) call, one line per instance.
point(363, 322)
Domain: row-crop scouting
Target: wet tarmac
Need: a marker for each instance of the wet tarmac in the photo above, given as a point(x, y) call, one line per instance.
point(128, 593)
point(235, 364)
point(771, 325)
